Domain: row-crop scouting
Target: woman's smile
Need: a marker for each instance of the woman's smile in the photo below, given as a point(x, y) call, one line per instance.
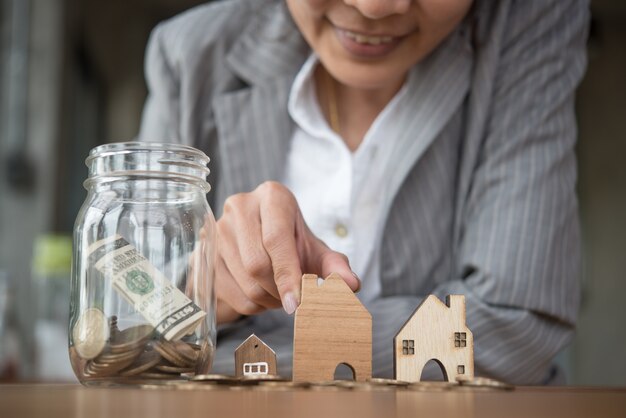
point(372, 44)
point(366, 45)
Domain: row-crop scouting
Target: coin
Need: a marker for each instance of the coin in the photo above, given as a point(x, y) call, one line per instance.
point(173, 369)
point(168, 351)
point(143, 363)
point(90, 333)
point(186, 351)
point(387, 382)
point(195, 346)
point(324, 385)
point(205, 356)
point(329, 388)
point(351, 384)
point(101, 369)
point(151, 386)
point(93, 370)
point(78, 363)
point(215, 378)
point(113, 327)
point(131, 338)
point(186, 385)
point(180, 382)
point(114, 358)
point(262, 378)
point(485, 382)
point(283, 385)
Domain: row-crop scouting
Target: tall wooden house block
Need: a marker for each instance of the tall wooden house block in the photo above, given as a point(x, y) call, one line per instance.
point(331, 327)
point(436, 331)
point(254, 357)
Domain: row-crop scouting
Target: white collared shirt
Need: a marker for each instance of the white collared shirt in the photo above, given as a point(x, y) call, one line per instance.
point(339, 191)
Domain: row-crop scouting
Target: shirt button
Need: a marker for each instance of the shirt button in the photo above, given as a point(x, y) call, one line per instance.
point(341, 230)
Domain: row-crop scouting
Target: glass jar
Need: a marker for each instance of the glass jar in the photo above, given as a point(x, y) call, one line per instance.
point(142, 304)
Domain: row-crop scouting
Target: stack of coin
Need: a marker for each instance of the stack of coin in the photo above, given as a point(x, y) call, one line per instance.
point(275, 383)
point(378, 381)
point(484, 383)
point(256, 379)
point(113, 329)
point(135, 353)
point(215, 379)
point(283, 385)
point(124, 350)
point(235, 383)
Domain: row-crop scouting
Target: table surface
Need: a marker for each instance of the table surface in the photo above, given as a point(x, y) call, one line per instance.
point(52, 401)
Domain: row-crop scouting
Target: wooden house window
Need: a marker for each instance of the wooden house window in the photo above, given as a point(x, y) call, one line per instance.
point(408, 347)
point(460, 339)
point(255, 368)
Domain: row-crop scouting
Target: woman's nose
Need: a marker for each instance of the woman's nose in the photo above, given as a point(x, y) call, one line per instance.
point(377, 9)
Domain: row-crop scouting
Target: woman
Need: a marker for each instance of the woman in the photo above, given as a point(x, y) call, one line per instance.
point(424, 146)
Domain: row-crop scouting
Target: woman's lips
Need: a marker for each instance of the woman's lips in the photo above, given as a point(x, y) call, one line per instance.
point(367, 46)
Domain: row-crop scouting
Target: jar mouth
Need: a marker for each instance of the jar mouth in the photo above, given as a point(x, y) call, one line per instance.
point(178, 162)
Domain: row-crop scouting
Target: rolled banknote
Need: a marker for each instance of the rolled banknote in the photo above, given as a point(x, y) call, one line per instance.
point(162, 304)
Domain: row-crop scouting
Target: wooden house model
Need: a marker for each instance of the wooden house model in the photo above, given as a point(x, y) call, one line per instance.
point(435, 331)
point(331, 327)
point(254, 357)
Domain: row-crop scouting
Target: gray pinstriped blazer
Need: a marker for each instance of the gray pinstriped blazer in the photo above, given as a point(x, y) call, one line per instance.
point(488, 210)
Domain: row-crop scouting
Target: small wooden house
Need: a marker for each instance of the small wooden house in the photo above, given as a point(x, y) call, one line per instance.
point(331, 327)
point(436, 331)
point(254, 357)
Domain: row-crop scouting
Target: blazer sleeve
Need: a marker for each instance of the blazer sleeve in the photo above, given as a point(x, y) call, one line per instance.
point(161, 114)
point(518, 257)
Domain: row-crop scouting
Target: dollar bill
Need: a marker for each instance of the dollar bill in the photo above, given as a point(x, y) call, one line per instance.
point(162, 304)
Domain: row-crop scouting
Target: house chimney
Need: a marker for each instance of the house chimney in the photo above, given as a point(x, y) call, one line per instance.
point(456, 303)
point(309, 284)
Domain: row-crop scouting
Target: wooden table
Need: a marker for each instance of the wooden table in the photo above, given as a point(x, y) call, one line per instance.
point(53, 401)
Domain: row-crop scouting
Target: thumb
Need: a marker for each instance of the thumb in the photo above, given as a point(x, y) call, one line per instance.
point(329, 261)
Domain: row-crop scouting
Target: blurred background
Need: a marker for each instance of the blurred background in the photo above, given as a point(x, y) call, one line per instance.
point(71, 78)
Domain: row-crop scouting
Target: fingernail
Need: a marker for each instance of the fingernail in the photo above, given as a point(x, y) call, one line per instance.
point(290, 303)
point(358, 282)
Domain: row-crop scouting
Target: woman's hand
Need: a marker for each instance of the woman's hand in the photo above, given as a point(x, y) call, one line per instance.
point(263, 248)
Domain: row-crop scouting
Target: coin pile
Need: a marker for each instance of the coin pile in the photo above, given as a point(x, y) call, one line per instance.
point(485, 383)
point(219, 379)
point(133, 353)
point(217, 382)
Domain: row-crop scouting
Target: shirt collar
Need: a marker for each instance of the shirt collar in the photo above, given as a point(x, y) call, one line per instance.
point(303, 106)
point(304, 109)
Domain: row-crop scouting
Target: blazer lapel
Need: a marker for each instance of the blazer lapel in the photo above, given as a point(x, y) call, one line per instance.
point(442, 85)
point(254, 127)
point(443, 81)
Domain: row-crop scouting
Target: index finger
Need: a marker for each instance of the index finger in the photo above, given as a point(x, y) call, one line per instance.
point(278, 229)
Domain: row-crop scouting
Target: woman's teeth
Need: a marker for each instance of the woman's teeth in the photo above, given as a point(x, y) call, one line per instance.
point(369, 40)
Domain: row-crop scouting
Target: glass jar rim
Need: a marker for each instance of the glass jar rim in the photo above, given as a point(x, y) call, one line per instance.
point(137, 146)
point(179, 161)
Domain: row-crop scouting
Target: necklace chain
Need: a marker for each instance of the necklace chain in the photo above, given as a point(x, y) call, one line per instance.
point(333, 110)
